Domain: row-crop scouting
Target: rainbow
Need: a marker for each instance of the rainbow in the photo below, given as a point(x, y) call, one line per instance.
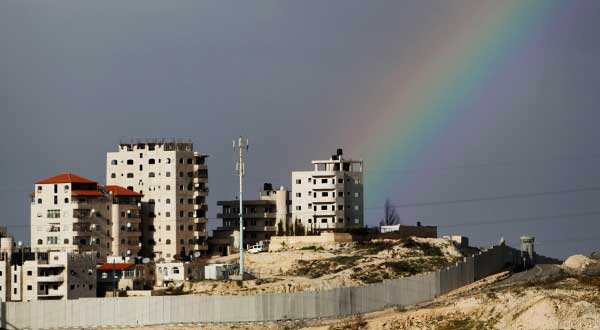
point(415, 109)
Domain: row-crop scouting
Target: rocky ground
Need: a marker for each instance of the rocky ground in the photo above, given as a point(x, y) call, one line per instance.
point(556, 301)
point(337, 265)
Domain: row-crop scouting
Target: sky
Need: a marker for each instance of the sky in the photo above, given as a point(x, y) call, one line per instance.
point(479, 117)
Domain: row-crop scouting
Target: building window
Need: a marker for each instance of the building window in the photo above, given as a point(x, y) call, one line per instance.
point(323, 207)
point(66, 241)
point(151, 175)
point(168, 227)
point(51, 240)
point(298, 208)
point(113, 175)
point(168, 187)
point(356, 221)
point(53, 214)
point(298, 181)
point(168, 201)
point(168, 242)
point(72, 287)
point(168, 214)
point(39, 201)
point(151, 161)
point(29, 288)
point(130, 162)
point(168, 174)
point(340, 207)
point(324, 220)
point(323, 180)
point(325, 194)
point(356, 194)
point(130, 175)
point(29, 273)
point(356, 207)
point(40, 242)
point(113, 162)
point(180, 160)
point(298, 194)
point(55, 199)
point(66, 200)
point(168, 160)
point(340, 180)
point(39, 188)
point(175, 270)
point(141, 155)
point(340, 194)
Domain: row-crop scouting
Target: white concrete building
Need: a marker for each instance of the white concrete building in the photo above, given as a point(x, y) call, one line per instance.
point(330, 197)
point(26, 275)
point(173, 180)
point(70, 213)
point(126, 221)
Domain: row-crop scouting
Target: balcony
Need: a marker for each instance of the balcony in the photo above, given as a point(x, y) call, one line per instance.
point(50, 279)
point(200, 220)
point(201, 167)
point(201, 247)
point(42, 295)
point(201, 207)
point(260, 228)
point(200, 233)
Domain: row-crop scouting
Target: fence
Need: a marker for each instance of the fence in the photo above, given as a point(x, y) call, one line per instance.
point(268, 307)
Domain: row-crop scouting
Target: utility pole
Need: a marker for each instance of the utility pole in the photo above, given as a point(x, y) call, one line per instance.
point(241, 145)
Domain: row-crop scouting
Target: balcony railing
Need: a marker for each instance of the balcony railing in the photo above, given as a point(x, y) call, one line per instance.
point(50, 278)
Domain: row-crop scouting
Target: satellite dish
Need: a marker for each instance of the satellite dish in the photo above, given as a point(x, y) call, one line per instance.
point(197, 254)
point(146, 260)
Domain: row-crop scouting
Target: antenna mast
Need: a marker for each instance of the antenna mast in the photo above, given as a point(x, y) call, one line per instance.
point(241, 145)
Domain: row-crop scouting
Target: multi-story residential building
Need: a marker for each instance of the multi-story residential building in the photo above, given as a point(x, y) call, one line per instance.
point(173, 180)
point(26, 275)
point(126, 221)
point(116, 277)
point(330, 197)
point(263, 218)
point(70, 213)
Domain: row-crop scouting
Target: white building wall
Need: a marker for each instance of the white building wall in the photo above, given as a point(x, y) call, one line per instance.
point(329, 197)
point(63, 222)
point(166, 176)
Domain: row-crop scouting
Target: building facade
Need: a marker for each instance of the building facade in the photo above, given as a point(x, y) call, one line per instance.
point(174, 182)
point(263, 218)
point(126, 221)
point(27, 275)
point(330, 197)
point(72, 214)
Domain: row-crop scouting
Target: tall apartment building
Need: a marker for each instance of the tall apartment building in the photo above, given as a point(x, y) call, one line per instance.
point(173, 180)
point(330, 197)
point(70, 213)
point(263, 218)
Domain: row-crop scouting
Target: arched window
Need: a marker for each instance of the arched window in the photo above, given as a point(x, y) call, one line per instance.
point(175, 270)
point(40, 242)
point(151, 161)
point(180, 160)
point(130, 162)
point(168, 160)
point(151, 175)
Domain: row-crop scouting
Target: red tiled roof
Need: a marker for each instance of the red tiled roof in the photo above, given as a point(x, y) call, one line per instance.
point(86, 193)
point(120, 191)
point(65, 178)
point(115, 266)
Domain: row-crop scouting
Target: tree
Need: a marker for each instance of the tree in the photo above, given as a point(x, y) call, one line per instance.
point(390, 217)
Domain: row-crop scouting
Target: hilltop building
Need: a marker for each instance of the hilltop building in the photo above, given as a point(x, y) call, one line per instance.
point(173, 180)
point(267, 216)
point(330, 197)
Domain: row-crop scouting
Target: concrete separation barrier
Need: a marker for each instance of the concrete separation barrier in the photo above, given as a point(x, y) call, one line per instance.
point(333, 303)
